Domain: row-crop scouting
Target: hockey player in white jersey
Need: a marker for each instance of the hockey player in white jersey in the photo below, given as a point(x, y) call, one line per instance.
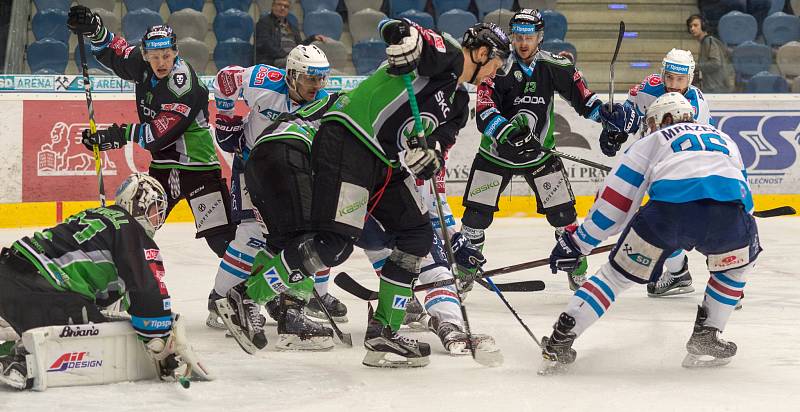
point(268, 92)
point(699, 198)
point(677, 71)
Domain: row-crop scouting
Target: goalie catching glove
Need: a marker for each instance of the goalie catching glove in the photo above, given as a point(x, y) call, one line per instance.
point(114, 137)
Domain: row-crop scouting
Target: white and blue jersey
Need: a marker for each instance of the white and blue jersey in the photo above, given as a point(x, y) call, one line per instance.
point(681, 163)
point(641, 96)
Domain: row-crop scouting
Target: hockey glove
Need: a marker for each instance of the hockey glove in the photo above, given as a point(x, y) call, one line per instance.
point(405, 46)
point(423, 163)
point(611, 142)
point(620, 118)
point(229, 131)
point(469, 258)
point(162, 352)
point(566, 256)
point(82, 21)
point(111, 138)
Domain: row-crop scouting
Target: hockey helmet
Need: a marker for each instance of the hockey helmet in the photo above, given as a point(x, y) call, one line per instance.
point(494, 38)
point(144, 198)
point(307, 60)
point(159, 37)
point(526, 21)
point(679, 62)
point(674, 104)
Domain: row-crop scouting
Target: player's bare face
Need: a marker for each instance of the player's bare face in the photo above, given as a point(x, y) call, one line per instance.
point(161, 61)
point(309, 86)
point(489, 69)
point(678, 83)
point(525, 45)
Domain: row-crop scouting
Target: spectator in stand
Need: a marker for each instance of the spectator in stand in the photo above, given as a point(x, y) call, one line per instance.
point(276, 36)
point(713, 10)
point(714, 64)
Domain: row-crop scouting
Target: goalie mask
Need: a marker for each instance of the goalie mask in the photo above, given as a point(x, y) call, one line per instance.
point(307, 71)
point(144, 198)
point(667, 110)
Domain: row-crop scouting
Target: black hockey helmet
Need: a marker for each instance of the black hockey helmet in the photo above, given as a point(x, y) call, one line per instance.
point(526, 21)
point(489, 35)
point(159, 37)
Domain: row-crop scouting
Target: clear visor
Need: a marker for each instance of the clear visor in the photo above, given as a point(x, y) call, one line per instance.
point(159, 55)
point(505, 68)
point(307, 80)
point(532, 38)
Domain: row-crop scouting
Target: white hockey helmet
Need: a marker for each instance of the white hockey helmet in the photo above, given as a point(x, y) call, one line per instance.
point(144, 198)
point(308, 60)
point(679, 62)
point(674, 104)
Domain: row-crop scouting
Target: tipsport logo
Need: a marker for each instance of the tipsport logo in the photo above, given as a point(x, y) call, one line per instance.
point(74, 360)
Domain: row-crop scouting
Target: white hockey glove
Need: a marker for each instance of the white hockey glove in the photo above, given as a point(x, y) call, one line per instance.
point(423, 163)
point(174, 357)
point(404, 54)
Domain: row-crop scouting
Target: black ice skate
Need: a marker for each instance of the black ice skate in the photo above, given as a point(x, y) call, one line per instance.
point(13, 369)
point(416, 317)
point(705, 347)
point(670, 284)
point(557, 349)
point(213, 320)
point(387, 349)
point(242, 316)
point(297, 332)
point(455, 341)
point(335, 307)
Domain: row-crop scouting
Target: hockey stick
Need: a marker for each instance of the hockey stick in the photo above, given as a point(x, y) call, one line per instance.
point(513, 312)
point(614, 60)
point(87, 87)
point(778, 211)
point(577, 159)
point(343, 337)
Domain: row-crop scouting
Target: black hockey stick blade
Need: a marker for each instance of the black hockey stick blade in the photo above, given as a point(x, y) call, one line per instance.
point(349, 285)
point(619, 41)
point(343, 337)
point(525, 286)
point(778, 211)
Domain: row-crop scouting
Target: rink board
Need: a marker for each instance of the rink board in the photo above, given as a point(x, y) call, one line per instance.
point(48, 174)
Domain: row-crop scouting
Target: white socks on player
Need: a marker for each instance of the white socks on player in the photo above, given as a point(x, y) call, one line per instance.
point(321, 281)
point(674, 263)
point(723, 292)
point(593, 299)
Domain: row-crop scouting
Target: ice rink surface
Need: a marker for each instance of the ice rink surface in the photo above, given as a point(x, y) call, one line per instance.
point(628, 361)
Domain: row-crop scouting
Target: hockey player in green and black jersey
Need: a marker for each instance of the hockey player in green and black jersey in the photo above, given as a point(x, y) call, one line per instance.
point(172, 105)
point(356, 159)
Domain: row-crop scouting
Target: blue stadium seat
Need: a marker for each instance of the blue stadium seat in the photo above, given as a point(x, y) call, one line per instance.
point(736, 28)
point(233, 52)
point(91, 62)
point(222, 5)
point(781, 28)
point(136, 22)
point(487, 6)
point(740, 5)
point(314, 5)
point(47, 56)
point(233, 23)
point(368, 55)
point(175, 5)
point(777, 5)
point(555, 25)
point(456, 22)
point(154, 5)
point(750, 58)
point(766, 82)
point(50, 23)
point(420, 17)
point(443, 6)
point(399, 6)
point(556, 46)
point(324, 22)
point(52, 4)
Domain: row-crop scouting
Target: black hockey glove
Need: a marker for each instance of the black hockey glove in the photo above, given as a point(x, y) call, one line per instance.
point(229, 132)
point(620, 118)
point(611, 142)
point(405, 46)
point(469, 258)
point(566, 255)
point(111, 138)
point(423, 163)
point(83, 22)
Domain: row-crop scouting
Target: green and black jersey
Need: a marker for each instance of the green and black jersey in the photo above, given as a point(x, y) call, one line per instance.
point(173, 111)
point(105, 251)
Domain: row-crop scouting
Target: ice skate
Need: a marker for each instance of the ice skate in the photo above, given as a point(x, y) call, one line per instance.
point(242, 316)
point(335, 307)
point(13, 369)
point(670, 284)
point(557, 352)
point(416, 317)
point(213, 320)
point(387, 349)
point(297, 332)
point(705, 348)
point(455, 342)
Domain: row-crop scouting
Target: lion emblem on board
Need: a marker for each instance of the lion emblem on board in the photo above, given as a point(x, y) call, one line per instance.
point(65, 154)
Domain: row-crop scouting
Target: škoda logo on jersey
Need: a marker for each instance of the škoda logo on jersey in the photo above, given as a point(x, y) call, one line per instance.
point(74, 360)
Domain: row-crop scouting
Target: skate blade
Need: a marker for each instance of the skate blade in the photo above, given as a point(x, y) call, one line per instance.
point(321, 316)
point(672, 292)
point(213, 321)
point(551, 367)
point(418, 326)
point(691, 361)
point(392, 360)
point(225, 313)
point(287, 342)
point(488, 354)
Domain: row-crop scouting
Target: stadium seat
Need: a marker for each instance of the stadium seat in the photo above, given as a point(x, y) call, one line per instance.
point(399, 6)
point(556, 46)
point(750, 58)
point(47, 56)
point(796, 85)
point(324, 22)
point(314, 5)
point(777, 5)
point(788, 59)
point(52, 4)
point(233, 52)
point(233, 23)
point(136, 22)
point(456, 22)
point(189, 23)
point(555, 25)
point(108, 5)
point(222, 5)
point(781, 28)
point(176, 5)
point(195, 52)
point(355, 6)
point(736, 28)
point(443, 6)
point(542, 5)
point(420, 17)
point(94, 66)
point(337, 54)
point(500, 17)
point(154, 5)
point(50, 23)
point(110, 19)
point(368, 55)
point(766, 82)
point(364, 24)
point(486, 6)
